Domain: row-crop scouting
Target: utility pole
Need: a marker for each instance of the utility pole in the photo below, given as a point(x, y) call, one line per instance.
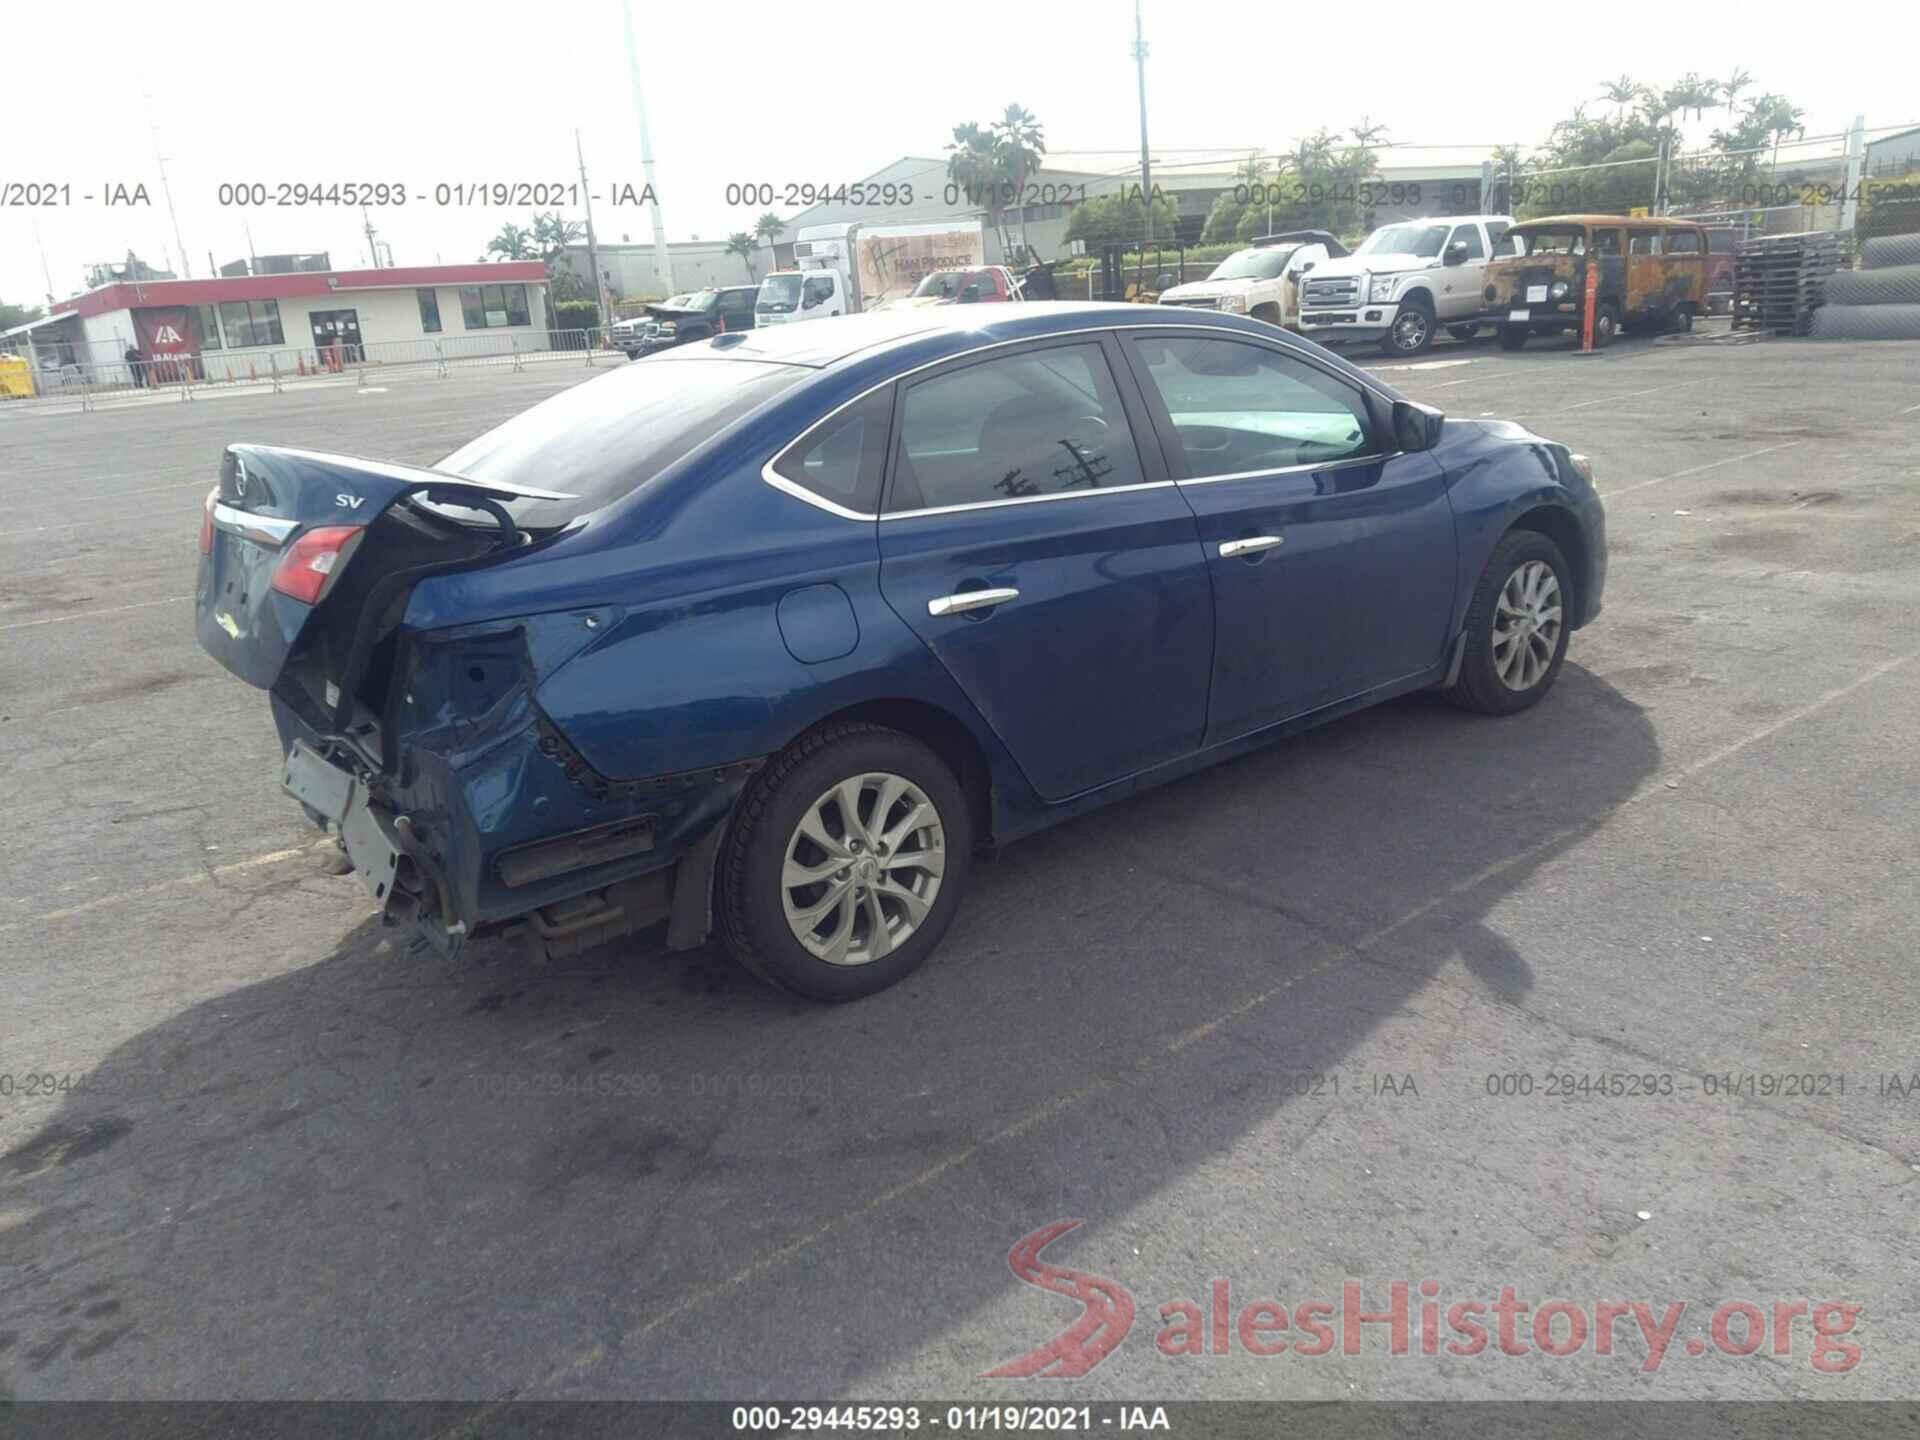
point(1856, 166)
point(1146, 165)
point(153, 129)
point(373, 245)
point(662, 261)
point(593, 245)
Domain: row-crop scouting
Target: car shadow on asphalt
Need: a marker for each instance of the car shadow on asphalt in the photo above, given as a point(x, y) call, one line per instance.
point(644, 1174)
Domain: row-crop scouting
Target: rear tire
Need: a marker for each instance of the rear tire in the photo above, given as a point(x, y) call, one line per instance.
point(1606, 325)
point(889, 876)
point(1512, 337)
point(1527, 579)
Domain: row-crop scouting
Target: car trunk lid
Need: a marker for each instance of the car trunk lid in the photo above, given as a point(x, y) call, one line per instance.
point(284, 527)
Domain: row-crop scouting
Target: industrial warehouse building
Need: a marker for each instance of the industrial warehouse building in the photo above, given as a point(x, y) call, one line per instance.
point(249, 324)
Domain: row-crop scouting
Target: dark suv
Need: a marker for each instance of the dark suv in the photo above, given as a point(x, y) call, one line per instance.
point(706, 314)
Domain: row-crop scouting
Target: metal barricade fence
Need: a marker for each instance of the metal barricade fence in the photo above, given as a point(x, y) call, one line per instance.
point(92, 371)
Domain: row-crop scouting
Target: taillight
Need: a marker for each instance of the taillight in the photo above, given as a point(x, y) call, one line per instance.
point(206, 521)
point(307, 569)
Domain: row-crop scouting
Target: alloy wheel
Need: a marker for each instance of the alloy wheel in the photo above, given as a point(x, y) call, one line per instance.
point(863, 868)
point(1410, 329)
point(1526, 625)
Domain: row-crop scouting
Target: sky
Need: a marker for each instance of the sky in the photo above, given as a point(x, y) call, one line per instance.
point(424, 94)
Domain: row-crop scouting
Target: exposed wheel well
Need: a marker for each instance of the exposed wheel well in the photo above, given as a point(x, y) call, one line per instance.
point(1420, 294)
point(1266, 310)
point(1559, 526)
point(947, 737)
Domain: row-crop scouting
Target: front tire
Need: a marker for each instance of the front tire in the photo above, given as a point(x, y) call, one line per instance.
point(1411, 332)
point(1463, 332)
point(845, 862)
point(1517, 630)
point(1512, 337)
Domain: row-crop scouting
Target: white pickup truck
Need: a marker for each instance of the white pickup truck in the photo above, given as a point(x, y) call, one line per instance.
point(1404, 282)
point(1263, 281)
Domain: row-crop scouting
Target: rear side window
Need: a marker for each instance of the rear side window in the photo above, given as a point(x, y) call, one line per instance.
point(841, 458)
point(1044, 422)
point(603, 439)
point(1497, 234)
point(1643, 242)
point(1606, 242)
point(1682, 242)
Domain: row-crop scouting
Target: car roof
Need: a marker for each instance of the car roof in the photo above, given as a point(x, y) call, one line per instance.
point(821, 343)
point(1607, 220)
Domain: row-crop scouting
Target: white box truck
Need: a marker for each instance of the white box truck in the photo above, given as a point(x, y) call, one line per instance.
point(854, 266)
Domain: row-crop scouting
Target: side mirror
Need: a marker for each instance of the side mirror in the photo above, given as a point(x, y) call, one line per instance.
point(1308, 266)
point(1416, 426)
point(1456, 253)
point(1164, 281)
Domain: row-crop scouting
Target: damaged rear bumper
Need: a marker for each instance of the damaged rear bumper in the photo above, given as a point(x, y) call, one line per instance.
point(520, 838)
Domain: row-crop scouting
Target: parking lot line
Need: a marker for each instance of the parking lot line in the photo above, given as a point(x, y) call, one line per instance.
point(1168, 1048)
point(1698, 469)
point(89, 614)
point(1633, 394)
point(205, 877)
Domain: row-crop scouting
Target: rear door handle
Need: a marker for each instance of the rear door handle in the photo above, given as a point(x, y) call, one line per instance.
point(1248, 546)
point(971, 600)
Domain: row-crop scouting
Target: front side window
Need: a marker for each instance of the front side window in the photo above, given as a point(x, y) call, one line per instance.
point(1238, 408)
point(251, 322)
point(489, 307)
point(1607, 242)
point(1046, 422)
point(429, 310)
point(842, 457)
point(818, 288)
point(1469, 236)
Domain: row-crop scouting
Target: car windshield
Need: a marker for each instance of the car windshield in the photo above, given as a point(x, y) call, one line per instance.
point(778, 293)
point(1566, 240)
point(1253, 264)
point(601, 440)
point(1421, 240)
point(700, 300)
point(946, 284)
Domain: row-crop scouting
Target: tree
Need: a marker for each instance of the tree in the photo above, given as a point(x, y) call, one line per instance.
point(1232, 208)
point(551, 234)
point(1119, 220)
point(1622, 92)
point(743, 244)
point(1019, 147)
point(514, 242)
point(1508, 167)
point(12, 315)
point(973, 166)
point(769, 228)
point(1733, 85)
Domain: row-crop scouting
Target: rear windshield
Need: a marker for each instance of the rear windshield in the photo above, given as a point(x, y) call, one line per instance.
point(605, 438)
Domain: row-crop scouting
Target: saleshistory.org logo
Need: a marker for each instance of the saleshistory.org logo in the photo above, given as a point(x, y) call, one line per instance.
point(1414, 1319)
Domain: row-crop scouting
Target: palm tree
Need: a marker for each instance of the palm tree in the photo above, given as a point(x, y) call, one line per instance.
point(1019, 144)
point(514, 242)
point(973, 166)
point(1780, 118)
point(743, 244)
point(769, 228)
point(1622, 92)
point(1732, 86)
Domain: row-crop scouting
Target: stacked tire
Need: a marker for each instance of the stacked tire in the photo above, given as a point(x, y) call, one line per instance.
point(1881, 301)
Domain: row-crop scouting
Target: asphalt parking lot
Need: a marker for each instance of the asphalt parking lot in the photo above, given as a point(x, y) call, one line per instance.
point(1243, 1027)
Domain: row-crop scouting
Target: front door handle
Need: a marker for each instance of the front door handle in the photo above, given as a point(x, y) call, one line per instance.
point(971, 600)
point(1249, 546)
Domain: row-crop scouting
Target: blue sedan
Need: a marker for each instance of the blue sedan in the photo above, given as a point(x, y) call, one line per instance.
point(773, 632)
